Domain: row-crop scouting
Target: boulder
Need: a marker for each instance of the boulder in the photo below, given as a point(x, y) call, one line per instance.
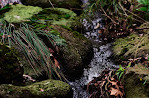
point(77, 53)
point(75, 50)
point(43, 89)
point(20, 13)
point(59, 16)
point(56, 3)
point(131, 46)
point(136, 82)
point(10, 69)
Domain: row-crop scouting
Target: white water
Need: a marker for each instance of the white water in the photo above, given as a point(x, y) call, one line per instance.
point(5, 2)
point(100, 61)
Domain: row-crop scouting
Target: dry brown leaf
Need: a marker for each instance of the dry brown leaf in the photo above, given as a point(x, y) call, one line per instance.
point(116, 92)
point(96, 84)
point(56, 63)
point(113, 83)
point(99, 31)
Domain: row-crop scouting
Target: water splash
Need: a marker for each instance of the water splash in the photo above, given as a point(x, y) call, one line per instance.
point(5, 2)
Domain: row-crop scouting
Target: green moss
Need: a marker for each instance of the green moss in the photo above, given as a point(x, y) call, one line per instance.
point(20, 13)
point(134, 79)
point(59, 16)
point(9, 65)
point(47, 88)
point(132, 46)
point(75, 33)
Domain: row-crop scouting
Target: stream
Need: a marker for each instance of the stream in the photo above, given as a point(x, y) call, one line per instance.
point(100, 61)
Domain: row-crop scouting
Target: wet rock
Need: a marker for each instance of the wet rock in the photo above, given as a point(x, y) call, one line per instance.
point(134, 80)
point(131, 46)
point(43, 89)
point(56, 3)
point(78, 52)
point(59, 16)
point(20, 13)
point(10, 69)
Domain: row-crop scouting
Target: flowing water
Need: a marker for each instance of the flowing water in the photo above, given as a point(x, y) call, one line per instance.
point(5, 2)
point(100, 61)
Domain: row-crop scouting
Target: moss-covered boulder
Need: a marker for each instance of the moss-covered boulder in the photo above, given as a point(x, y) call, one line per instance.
point(136, 82)
point(43, 89)
point(134, 45)
point(131, 46)
point(59, 16)
point(78, 52)
point(20, 13)
point(10, 69)
point(56, 3)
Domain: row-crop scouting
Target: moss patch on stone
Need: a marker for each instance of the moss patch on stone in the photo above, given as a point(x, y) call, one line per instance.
point(43, 89)
point(59, 16)
point(10, 68)
point(134, 82)
point(131, 46)
point(78, 51)
point(20, 13)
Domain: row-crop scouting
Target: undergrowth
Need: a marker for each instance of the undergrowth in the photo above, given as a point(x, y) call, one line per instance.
point(26, 40)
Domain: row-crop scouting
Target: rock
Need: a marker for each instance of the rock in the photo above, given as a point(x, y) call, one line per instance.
point(145, 25)
point(56, 3)
point(134, 80)
point(131, 46)
point(10, 69)
point(43, 89)
point(78, 52)
point(59, 16)
point(20, 13)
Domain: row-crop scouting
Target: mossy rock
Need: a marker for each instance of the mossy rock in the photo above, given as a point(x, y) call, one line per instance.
point(131, 46)
point(10, 69)
point(75, 51)
point(43, 89)
point(56, 3)
point(134, 82)
point(145, 25)
point(20, 13)
point(78, 52)
point(59, 16)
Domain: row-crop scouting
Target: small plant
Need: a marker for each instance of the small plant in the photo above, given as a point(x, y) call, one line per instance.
point(120, 72)
point(33, 48)
point(145, 7)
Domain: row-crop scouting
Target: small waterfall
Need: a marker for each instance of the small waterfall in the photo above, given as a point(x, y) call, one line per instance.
point(5, 2)
point(100, 61)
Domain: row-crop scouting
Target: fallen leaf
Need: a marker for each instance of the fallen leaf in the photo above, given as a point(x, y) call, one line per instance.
point(56, 63)
point(116, 92)
point(42, 90)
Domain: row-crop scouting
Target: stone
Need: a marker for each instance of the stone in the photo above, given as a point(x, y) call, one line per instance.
point(78, 52)
point(20, 13)
point(43, 89)
point(56, 3)
point(131, 46)
point(10, 69)
point(134, 80)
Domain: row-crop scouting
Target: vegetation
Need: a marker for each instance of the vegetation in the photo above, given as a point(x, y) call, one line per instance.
point(27, 40)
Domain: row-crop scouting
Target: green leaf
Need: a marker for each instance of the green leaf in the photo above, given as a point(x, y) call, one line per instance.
point(140, 1)
point(129, 65)
point(144, 2)
point(142, 9)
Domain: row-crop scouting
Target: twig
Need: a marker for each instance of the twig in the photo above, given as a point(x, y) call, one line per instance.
point(108, 16)
point(51, 3)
